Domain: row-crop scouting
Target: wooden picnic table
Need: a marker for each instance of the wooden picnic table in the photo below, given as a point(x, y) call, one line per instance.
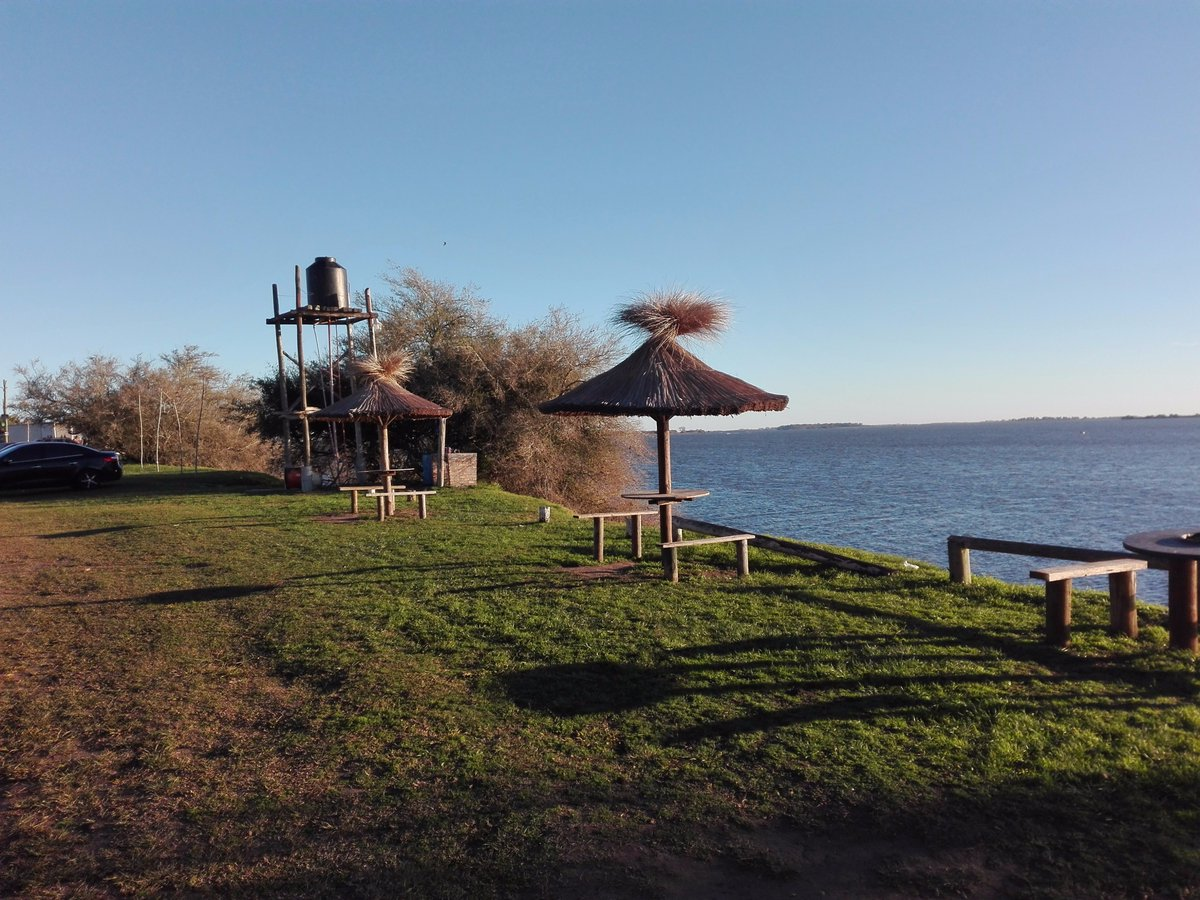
point(1179, 548)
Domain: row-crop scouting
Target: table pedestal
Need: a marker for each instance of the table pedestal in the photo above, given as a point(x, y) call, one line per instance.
point(1181, 604)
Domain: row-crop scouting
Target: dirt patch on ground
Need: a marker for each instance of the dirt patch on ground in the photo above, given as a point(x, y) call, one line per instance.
point(339, 519)
point(606, 570)
point(774, 863)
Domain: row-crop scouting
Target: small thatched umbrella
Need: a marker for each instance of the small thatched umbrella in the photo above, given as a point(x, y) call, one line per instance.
point(382, 400)
point(661, 379)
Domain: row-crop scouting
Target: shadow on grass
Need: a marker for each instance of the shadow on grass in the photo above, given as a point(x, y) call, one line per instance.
point(161, 598)
point(92, 532)
point(787, 671)
point(1122, 835)
point(210, 521)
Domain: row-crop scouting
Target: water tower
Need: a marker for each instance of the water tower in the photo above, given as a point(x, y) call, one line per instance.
point(328, 294)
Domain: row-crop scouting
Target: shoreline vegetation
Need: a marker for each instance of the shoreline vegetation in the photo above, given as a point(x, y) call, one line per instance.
point(213, 686)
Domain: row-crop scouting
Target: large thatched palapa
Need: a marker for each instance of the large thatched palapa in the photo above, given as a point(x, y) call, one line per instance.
point(661, 379)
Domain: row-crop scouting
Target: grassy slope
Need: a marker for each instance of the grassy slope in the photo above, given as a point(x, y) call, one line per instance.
point(206, 687)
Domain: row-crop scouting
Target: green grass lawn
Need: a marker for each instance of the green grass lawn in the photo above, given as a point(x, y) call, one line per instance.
point(208, 685)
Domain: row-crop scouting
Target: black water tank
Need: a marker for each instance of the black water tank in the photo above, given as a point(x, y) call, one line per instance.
point(327, 285)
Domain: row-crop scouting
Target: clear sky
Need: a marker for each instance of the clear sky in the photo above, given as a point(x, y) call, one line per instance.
point(920, 211)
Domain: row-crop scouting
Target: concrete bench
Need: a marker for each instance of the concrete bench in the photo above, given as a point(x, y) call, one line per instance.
point(742, 541)
point(634, 524)
point(1122, 595)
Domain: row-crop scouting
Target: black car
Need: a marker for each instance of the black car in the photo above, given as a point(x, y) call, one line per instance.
point(41, 463)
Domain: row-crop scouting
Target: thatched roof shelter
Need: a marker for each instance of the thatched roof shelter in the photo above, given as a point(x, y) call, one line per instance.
point(383, 400)
point(661, 379)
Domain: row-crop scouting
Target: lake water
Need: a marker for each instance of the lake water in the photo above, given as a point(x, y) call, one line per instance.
point(903, 489)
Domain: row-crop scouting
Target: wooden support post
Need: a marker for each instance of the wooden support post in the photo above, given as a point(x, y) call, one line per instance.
point(1058, 612)
point(1122, 603)
point(422, 507)
point(960, 562)
point(1181, 604)
point(385, 464)
point(371, 322)
point(360, 459)
point(303, 377)
point(743, 558)
point(598, 537)
point(443, 457)
point(283, 398)
point(354, 502)
point(670, 559)
point(635, 535)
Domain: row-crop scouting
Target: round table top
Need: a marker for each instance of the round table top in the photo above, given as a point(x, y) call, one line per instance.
point(668, 497)
point(1180, 542)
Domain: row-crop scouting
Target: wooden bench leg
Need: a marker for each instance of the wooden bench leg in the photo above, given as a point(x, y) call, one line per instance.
point(354, 501)
point(381, 503)
point(1122, 603)
point(960, 563)
point(743, 558)
point(598, 538)
point(670, 564)
point(422, 507)
point(1058, 612)
point(635, 535)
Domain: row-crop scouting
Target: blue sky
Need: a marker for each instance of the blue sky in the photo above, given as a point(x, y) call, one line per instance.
point(920, 211)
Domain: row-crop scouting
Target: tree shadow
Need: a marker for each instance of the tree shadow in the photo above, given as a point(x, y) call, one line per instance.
point(160, 598)
point(937, 681)
point(91, 532)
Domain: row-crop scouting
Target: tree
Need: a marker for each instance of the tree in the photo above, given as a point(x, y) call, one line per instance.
point(494, 376)
point(118, 407)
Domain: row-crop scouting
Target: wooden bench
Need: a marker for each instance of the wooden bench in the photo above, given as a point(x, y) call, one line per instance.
point(742, 541)
point(633, 522)
point(1122, 595)
point(355, 489)
point(959, 548)
point(381, 496)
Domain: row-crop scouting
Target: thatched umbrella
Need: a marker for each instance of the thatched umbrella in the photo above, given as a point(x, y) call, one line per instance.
point(383, 400)
point(661, 379)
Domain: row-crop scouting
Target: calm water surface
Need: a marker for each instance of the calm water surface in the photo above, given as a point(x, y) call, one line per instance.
point(903, 489)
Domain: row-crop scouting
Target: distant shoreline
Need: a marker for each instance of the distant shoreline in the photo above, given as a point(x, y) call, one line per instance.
point(808, 426)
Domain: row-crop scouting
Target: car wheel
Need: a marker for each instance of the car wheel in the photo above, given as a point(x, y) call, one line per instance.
point(88, 479)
